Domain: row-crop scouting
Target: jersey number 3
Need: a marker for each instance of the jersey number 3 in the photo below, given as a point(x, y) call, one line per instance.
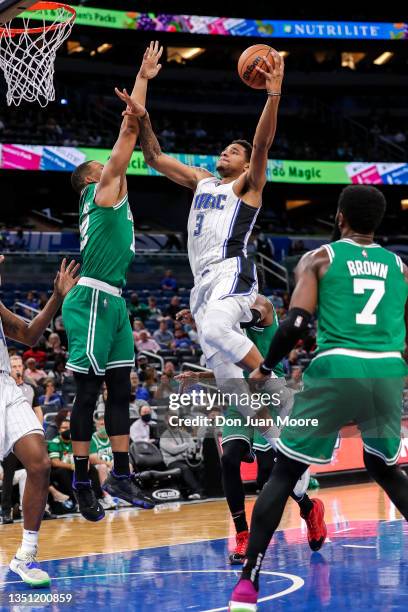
point(199, 224)
point(360, 285)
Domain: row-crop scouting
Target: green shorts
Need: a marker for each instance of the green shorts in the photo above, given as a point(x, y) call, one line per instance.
point(347, 387)
point(98, 330)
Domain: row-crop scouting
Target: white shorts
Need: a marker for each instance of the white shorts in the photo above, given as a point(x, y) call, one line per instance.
point(231, 284)
point(17, 418)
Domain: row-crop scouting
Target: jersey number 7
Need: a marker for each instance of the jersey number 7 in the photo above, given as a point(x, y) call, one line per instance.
point(360, 286)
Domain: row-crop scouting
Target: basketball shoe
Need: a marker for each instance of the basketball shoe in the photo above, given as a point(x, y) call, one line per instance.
point(244, 597)
point(128, 489)
point(316, 527)
point(237, 557)
point(89, 506)
point(27, 567)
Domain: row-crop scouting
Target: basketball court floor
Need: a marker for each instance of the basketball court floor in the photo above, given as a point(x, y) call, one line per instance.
point(174, 558)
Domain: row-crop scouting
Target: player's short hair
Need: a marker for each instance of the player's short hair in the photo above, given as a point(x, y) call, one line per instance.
point(363, 206)
point(79, 175)
point(246, 145)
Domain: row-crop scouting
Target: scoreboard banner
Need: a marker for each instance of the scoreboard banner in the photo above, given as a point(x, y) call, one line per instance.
point(232, 26)
point(65, 159)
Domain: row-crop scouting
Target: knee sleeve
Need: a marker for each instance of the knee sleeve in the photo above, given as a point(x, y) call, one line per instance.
point(232, 455)
point(87, 390)
point(117, 420)
point(221, 334)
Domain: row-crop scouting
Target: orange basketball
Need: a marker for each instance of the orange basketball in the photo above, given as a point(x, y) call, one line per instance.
point(250, 58)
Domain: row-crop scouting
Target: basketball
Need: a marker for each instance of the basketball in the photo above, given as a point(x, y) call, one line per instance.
point(249, 60)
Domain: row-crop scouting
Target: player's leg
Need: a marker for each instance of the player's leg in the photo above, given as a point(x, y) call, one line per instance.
point(234, 450)
point(32, 452)
point(90, 319)
point(121, 483)
point(81, 423)
point(381, 432)
point(266, 517)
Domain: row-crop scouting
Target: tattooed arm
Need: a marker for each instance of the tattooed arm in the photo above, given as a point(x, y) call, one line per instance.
point(29, 333)
point(180, 173)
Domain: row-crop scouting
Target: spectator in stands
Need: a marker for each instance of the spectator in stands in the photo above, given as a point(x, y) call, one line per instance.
point(170, 370)
point(163, 335)
point(54, 425)
point(140, 430)
point(173, 307)
point(102, 399)
point(168, 282)
point(138, 326)
point(59, 373)
point(43, 299)
point(165, 388)
point(146, 344)
point(62, 464)
point(36, 352)
point(31, 300)
point(54, 346)
point(50, 401)
point(29, 390)
point(101, 456)
point(176, 444)
point(181, 340)
point(136, 309)
point(137, 390)
point(155, 312)
point(8, 481)
point(32, 373)
point(295, 380)
point(60, 329)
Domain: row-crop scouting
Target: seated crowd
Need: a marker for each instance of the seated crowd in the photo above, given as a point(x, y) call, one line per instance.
point(162, 345)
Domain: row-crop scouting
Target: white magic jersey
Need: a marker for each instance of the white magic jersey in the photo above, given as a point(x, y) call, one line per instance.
point(219, 225)
point(4, 356)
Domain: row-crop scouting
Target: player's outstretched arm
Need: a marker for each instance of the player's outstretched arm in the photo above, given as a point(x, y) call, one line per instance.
point(255, 178)
point(112, 186)
point(29, 333)
point(176, 171)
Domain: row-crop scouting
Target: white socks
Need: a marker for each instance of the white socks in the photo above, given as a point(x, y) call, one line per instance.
point(30, 541)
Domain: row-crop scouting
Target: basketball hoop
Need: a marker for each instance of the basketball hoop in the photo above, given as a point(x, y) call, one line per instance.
point(27, 54)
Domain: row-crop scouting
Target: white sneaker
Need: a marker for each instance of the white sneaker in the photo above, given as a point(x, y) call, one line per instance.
point(27, 567)
point(194, 496)
point(107, 502)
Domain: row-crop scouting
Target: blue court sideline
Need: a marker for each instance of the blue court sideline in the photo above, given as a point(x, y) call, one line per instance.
point(364, 566)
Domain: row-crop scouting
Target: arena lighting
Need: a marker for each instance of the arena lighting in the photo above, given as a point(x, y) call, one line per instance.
point(404, 204)
point(383, 58)
point(284, 53)
point(350, 59)
point(178, 54)
point(291, 204)
point(104, 48)
point(74, 46)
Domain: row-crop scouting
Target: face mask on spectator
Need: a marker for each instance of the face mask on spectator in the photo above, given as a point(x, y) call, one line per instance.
point(146, 417)
point(102, 431)
point(66, 435)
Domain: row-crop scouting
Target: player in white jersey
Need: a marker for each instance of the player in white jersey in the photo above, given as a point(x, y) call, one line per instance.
point(20, 430)
point(221, 219)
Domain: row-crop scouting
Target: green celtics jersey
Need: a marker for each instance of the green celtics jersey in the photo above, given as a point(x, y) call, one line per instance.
point(101, 447)
point(107, 239)
point(262, 338)
point(362, 299)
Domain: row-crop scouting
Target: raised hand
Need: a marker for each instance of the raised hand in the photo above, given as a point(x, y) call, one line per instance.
point(133, 109)
point(185, 317)
point(66, 278)
point(150, 67)
point(274, 73)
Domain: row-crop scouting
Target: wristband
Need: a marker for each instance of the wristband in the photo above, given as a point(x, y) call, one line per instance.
point(274, 93)
point(264, 369)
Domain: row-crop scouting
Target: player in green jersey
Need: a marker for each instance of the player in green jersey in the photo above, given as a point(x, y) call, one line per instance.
point(361, 292)
point(95, 316)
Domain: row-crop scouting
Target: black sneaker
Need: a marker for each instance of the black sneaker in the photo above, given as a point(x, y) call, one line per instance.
point(89, 506)
point(127, 488)
point(6, 517)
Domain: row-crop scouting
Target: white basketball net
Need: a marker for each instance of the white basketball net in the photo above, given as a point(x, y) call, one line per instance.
point(27, 58)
